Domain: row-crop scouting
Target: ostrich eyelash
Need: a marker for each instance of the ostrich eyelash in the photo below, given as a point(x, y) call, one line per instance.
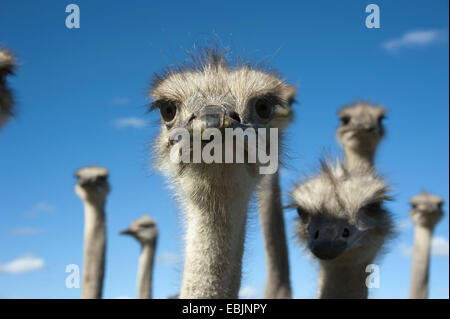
point(156, 105)
point(270, 98)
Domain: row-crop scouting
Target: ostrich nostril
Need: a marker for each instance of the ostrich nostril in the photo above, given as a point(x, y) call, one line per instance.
point(235, 116)
point(316, 235)
point(346, 233)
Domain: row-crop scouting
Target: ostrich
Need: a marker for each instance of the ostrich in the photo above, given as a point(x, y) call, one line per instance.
point(272, 223)
point(146, 233)
point(215, 196)
point(343, 222)
point(92, 187)
point(7, 67)
point(360, 132)
point(426, 213)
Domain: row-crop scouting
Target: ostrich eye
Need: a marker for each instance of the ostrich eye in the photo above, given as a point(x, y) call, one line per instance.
point(373, 209)
point(264, 109)
point(345, 120)
point(168, 111)
point(346, 233)
point(440, 205)
point(302, 214)
point(101, 179)
point(380, 120)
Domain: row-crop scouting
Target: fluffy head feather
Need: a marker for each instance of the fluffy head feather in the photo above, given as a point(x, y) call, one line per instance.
point(92, 184)
point(344, 198)
point(361, 126)
point(91, 172)
point(426, 209)
point(210, 79)
point(143, 229)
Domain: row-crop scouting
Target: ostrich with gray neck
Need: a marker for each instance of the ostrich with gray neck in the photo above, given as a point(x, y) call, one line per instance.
point(343, 222)
point(144, 230)
point(426, 212)
point(213, 94)
point(93, 187)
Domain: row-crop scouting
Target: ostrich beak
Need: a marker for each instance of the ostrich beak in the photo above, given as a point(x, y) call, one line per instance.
point(86, 181)
point(365, 127)
point(327, 250)
point(213, 116)
point(330, 240)
point(126, 232)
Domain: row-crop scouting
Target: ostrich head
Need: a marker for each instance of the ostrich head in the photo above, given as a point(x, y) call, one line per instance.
point(426, 209)
point(361, 127)
point(7, 67)
point(342, 218)
point(143, 229)
point(219, 96)
point(92, 185)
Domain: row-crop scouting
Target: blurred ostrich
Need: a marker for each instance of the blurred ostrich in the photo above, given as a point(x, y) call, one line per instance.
point(278, 285)
point(215, 196)
point(7, 67)
point(92, 188)
point(144, 230)
point(343, 222)
point(360, 132)
point(426, 213)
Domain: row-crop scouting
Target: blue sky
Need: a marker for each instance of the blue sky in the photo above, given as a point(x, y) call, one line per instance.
point(82, 96)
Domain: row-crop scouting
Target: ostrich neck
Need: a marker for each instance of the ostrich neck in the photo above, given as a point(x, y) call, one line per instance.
point(272, 223)
point(343, 282)
point(145, 270)
point(420, 262)
point(357, 157)
point(94, 250)
point(216, 213)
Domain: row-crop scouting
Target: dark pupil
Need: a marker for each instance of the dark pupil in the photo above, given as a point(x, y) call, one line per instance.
point(302, 214)
point(345, 233)
point(264, 110)
point(373, 209)
point(345, 120)
point(168, 112)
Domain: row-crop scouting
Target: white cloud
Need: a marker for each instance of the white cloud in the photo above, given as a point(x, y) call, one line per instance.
point(133, 122)
point(25, 231)
point(248, 292)
point(120, 101)
point(439, 247)
point(123, 297)
point(22, 265)
point(40, 207)
point(168, 259)
point(417, 38)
